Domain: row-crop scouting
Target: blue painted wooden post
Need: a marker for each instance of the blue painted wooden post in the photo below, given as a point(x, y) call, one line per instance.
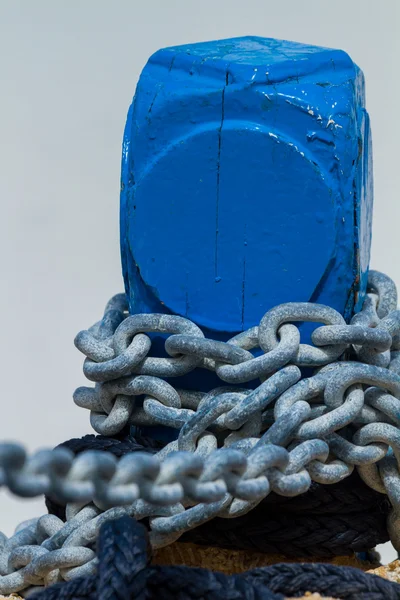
point(246, 182)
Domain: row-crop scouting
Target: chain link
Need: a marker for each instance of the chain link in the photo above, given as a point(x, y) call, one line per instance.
point(234, 444)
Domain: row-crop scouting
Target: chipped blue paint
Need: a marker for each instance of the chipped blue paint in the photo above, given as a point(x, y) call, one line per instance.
point(246, 182)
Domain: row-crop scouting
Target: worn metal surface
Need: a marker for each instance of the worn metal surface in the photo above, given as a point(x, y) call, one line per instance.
point(253, 155)
point(234, 444)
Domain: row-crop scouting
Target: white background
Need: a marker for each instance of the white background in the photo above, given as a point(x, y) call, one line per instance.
point(68, 72)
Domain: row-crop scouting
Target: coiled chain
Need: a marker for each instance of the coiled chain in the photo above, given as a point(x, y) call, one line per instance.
point(234, 445)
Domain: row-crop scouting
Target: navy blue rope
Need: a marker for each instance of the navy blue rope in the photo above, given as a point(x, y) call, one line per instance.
point(327, 521)
point(124, 574)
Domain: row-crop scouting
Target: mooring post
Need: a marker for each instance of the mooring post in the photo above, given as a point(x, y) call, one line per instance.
point(246, 182)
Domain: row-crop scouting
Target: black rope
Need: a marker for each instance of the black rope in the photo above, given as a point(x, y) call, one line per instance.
point(124, 574)
point(346, 583)
point(326, 521)
point(118, 447)
point(294, 536)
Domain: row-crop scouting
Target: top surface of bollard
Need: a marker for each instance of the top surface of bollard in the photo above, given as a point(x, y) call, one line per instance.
point(246, 182)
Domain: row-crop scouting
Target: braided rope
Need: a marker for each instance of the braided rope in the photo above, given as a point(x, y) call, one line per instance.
point(326, 521)
point(235, 445)
point(123, 573)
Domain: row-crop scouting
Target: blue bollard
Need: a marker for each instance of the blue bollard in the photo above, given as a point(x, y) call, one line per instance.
point(246, 182)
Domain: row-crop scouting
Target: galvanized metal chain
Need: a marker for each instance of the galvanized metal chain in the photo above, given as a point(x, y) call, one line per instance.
point(234, 444)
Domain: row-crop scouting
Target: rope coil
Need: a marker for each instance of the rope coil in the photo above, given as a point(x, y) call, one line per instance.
point(123, 574)
point(344, 416)
point(234, 445)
